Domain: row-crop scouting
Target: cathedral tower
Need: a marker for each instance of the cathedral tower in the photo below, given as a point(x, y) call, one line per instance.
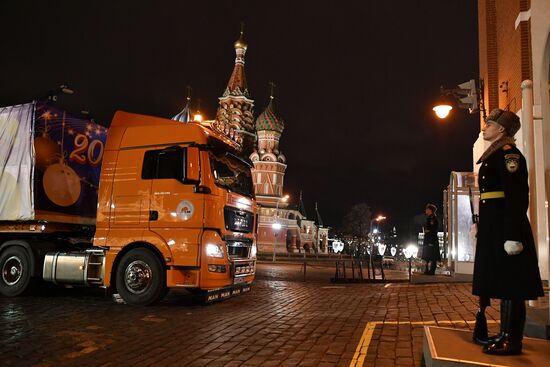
point(234, 117)
point(269, 163)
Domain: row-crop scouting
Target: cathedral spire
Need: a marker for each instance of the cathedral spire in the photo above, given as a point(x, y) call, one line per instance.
point(318, 219)
point(234, 117)
point(185, 114)
point(302, 207)
point(237, 85)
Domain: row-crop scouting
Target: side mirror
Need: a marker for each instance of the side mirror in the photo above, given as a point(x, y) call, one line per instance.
point(192, 169)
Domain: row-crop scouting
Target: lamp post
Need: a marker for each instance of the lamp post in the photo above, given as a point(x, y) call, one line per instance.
point(371, 245)
point(276, 225)
point(410, 251)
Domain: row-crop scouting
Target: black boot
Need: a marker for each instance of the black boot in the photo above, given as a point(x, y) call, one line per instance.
point(427, 271)
point(433, 266)
point(512, 322)
point(480, 335)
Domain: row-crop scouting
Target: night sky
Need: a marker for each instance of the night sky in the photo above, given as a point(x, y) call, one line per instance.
point(356, 81)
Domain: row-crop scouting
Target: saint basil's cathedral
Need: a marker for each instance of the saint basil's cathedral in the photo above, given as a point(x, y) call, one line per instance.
point(280, 227)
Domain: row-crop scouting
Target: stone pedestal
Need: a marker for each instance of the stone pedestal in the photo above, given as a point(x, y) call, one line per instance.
point(537, 324)
point(447, 347)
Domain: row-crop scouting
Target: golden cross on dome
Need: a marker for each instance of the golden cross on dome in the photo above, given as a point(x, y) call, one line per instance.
point(272, 91)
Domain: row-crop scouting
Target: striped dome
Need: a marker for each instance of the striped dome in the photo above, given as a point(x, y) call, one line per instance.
point(268, 120)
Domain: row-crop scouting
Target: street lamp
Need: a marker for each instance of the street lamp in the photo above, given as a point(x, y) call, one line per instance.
point(372, 231)
point(467, 95)
point(410, 251)
point(276, 225)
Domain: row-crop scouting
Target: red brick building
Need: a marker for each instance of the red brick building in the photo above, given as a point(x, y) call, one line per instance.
point(514, 63)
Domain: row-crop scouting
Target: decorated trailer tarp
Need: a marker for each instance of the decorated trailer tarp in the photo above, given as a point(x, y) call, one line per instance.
point(50, 163)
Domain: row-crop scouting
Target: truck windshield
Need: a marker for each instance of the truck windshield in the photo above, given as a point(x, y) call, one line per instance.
point(231, 173)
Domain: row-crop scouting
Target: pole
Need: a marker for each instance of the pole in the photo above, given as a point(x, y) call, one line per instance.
point(274, 242)
point(529, 150)
point(275, 231)
point(533, 151)
point(410, 265)
point(371, 246)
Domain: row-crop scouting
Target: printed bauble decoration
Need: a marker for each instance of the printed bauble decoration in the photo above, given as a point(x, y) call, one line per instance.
point(47, 152)
point(61, 184)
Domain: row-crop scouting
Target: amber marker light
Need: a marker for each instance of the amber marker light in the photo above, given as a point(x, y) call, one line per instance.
point(197, 117)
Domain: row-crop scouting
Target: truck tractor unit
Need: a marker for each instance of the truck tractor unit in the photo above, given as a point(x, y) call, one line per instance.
point(146, 205)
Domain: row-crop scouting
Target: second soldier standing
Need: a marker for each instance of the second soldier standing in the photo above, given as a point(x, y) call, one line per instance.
point(430, 248)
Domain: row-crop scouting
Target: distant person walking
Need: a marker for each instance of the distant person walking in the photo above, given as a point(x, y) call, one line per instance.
point(430, 248)
point(506, 264)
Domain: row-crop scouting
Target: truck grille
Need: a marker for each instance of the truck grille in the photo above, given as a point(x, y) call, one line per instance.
point(238, 249)
point(238, 220)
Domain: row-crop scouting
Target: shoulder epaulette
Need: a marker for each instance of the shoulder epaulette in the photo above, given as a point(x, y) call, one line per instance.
point(507, 147)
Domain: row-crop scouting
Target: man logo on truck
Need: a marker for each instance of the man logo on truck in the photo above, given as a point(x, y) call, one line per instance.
point(185, 210)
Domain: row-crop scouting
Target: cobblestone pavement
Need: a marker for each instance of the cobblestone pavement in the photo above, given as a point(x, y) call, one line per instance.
point(283, 321)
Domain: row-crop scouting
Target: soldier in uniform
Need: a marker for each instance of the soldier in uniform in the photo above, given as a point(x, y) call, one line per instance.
point(506, 265)
point(430, 248)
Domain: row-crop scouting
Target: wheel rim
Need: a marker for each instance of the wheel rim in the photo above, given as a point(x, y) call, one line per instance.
point(12, 271)
point(138, 276)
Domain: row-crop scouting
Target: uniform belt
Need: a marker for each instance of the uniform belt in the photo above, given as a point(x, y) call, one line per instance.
point(492, 195)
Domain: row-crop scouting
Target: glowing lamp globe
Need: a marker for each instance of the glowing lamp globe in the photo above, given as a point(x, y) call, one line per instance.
point(197, 117)
point(442, 110)
point(410, 251)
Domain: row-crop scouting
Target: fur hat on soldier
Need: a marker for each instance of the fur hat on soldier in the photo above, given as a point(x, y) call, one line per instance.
point(432, 207)
point(508, 120)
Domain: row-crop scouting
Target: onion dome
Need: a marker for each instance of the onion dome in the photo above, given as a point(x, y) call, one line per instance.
point(184, 115)
point(268, 120)
point(240, 43)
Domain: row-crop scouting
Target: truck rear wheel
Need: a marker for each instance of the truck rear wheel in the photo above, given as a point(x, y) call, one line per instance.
point(141, 278)
point(15, 267)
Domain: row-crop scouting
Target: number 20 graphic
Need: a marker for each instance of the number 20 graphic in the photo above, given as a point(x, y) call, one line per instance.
point(86, 152)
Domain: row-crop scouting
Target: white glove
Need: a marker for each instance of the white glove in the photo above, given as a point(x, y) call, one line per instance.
point(513, 247)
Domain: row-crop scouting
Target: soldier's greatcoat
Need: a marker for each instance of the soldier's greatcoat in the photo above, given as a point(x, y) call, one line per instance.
point(497, 274)
point(430, 248)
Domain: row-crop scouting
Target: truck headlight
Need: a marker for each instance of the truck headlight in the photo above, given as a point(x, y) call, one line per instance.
point(213, 250)
point(253, 251)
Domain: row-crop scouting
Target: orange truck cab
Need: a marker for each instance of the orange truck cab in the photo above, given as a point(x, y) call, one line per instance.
point(175, 209)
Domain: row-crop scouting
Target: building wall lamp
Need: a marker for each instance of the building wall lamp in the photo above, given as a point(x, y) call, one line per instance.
point(468, 95)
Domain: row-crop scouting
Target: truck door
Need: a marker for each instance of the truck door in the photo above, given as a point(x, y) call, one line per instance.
point(130, 204)
point(176, 212)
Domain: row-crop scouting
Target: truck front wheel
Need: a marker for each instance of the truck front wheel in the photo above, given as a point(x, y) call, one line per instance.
point(15, 266)
point(140, 278)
